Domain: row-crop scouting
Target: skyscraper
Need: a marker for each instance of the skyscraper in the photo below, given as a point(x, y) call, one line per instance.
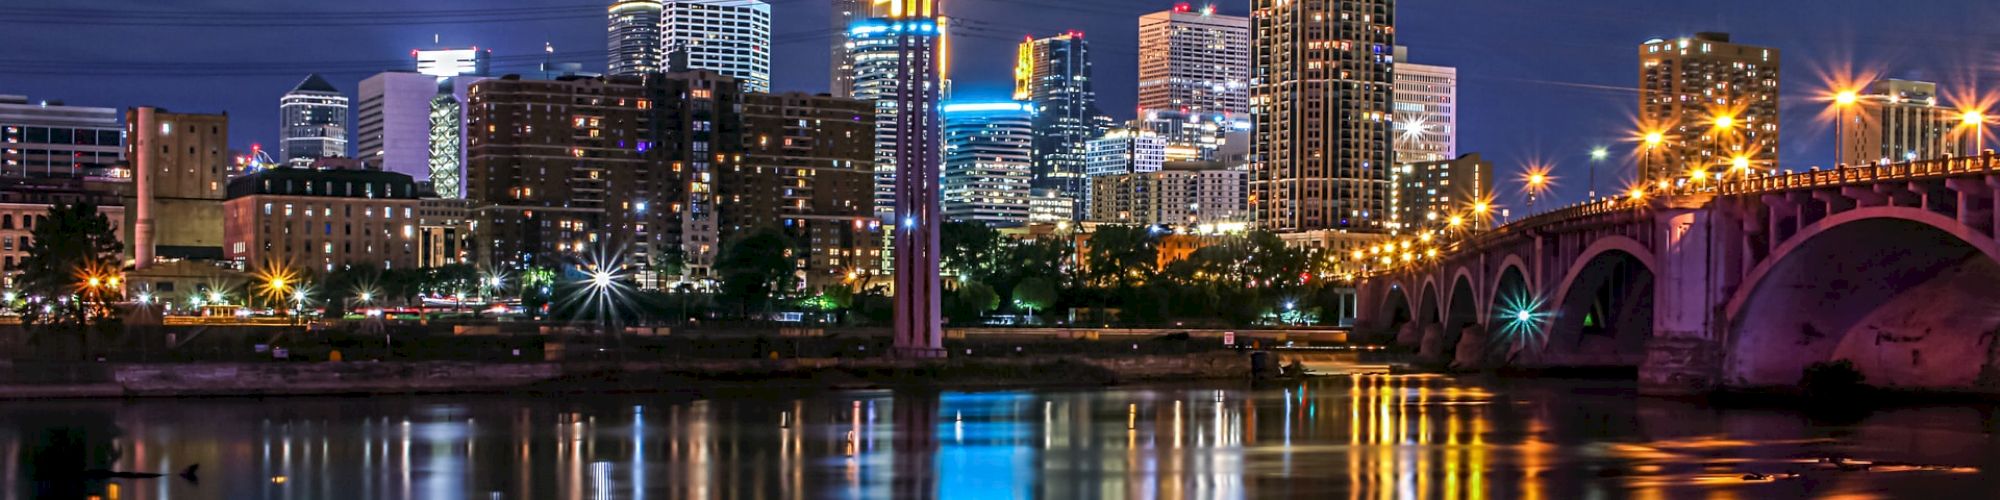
point(313, 121)
point(1321, 107)
point(1194, 61)
point(1426, 111)
point(1898, 121)
point(49, 139)
point(841, 65)
point(634, 37)
point(988, 151)
point(1053, 75)
point(394, 118)
point(878, 51)
point(731, 37)
point(1712, 101)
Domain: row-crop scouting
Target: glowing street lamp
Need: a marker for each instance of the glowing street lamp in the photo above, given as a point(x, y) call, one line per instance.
point(1841, 101)
point(1597, 155)
point(1725, 122)
point(1977, 120)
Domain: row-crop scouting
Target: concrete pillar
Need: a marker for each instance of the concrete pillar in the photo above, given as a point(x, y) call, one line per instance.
point(919, 324)
point(1410, 335)
point(1684, 356)
point(144, 161)
point(1430, 344)
point(1471, 352)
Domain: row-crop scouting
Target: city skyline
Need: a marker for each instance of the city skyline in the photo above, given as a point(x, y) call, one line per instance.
point(1579, 90)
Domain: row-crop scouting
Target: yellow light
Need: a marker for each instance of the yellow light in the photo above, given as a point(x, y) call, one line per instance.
point(1426, 237)
point(1725, 121)
point(1536, 179)
point(277, 282)
point(113, 281)
point(1456, 221)
point(1357, 255)
point(1432, 252)
point(1480, 207)
point(1655, 138)
point(1638, 193)
point(93, 282)
point(1846, 98)
point(1698, 175)
point(1740, 163)
point(1972, 118)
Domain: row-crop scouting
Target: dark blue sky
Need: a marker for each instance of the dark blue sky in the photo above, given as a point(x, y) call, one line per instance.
point(1540, 80)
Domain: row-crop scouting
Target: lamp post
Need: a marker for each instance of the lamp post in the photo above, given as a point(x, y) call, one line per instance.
point(1653, 141)
point(1597, 155)
point(1841, 101)
point(1977, 119)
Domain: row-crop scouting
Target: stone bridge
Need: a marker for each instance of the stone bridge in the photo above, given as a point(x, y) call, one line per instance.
point(1732, 284)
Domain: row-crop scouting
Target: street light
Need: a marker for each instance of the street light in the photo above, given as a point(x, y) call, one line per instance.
point(1841, 101)
point(1977, 119)
point(1597, 155)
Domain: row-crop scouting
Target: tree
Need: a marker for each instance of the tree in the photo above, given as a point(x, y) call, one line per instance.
point(754, 267)
point(975, 299)
point(1034, 293)
point(969, 249)
point(1122, 256)
point(72, 268)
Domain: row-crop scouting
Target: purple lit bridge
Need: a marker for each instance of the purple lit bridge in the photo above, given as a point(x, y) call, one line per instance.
point(1739, 285)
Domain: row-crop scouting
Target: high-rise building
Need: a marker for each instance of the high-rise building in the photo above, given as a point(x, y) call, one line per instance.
point(1050, 207)
point(50, 139)
point(1125, 151)
point(878, 51)
point(1196, 136)
point(988, 160)
point(1194, 61)
point(1898, 121)
point(1712, 101)
point(322, 219)
point(634, 37)
point(841, 65)
point(1053, 75)
point(808, 170)
point(447, 63)
point(313, 121)
point(1430, 193)
point(1321, 107)
point(177, 164)
point(1426, 111)
point(403, 116)
point(731, 37)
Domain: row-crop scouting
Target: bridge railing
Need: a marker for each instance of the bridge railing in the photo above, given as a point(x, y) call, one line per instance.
point(1920, 169)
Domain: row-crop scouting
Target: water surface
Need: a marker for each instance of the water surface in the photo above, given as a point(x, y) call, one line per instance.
point(1335, 437)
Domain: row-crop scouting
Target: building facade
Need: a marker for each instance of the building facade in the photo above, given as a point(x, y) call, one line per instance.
point(1322, 111)
point(731, 37)
point(1712, 101)
point(875, 44)
point(988, 161)
point(1053, 75)
point(808, 170)
point(1430, 193)
point(1426, 111)
point(178, 162)
point(401, 117)
point(312, 121)
point(49, 139)
point(1184, 194)
point(322, 219)
point(840, 65)
point(633, 37)
point(26, 202)
point(1897, 121)
point(1194, 61)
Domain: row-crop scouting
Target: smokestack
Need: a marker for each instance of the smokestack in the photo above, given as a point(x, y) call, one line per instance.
point(145, 130)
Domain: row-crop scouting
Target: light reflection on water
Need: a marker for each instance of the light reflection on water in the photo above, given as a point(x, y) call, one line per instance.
point(1357, 437)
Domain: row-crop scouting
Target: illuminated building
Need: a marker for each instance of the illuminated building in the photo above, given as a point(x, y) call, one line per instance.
point(1321, 107)
point(444, 231)
point(1050, 207)
point(841, 63)
point(1715, 100)
point(1053, 74)
point(1897, 121)
point(401, 117)
point(1189, 193)
point(988, 161)
point(808, 169)
point(1426, 111)
point(1197, 136)
point(1194, 61)
point(177, 164)
point(448, 63)
point(1428, 193)
point(49, 139)
point(633, 37)
point(24, 201)
point(312, 121)
point(322, 219)
point(731, 37)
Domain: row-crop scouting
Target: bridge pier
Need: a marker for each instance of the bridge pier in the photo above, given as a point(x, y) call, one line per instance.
point(1684, 356)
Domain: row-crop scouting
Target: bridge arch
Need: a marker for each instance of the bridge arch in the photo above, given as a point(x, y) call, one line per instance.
point(1429, 312)
point(1515, 317)
point(1462, 308)
point(1514, 262)
point(1397, 306)
point(1904, 293)
point(1601, 310)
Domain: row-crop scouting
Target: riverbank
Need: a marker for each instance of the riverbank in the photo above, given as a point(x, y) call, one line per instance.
point(123, 380)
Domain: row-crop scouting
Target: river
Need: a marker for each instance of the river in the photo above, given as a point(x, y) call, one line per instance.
point(1377, 436)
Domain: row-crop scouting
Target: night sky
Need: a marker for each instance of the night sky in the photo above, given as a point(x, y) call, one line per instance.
point(1540, 80)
